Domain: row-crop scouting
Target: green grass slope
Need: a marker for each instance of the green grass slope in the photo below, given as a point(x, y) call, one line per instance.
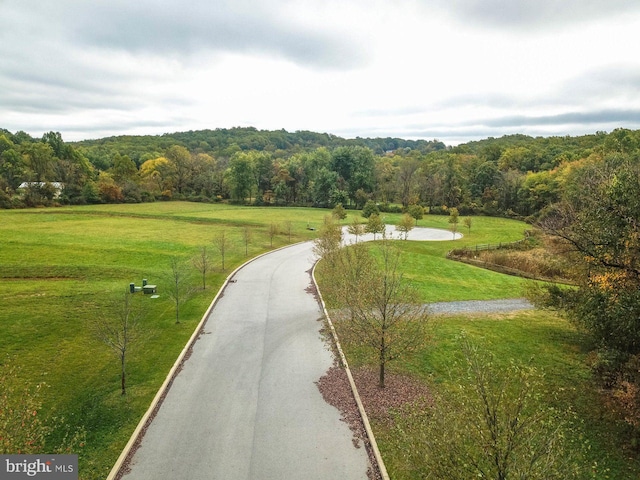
point(61, 267)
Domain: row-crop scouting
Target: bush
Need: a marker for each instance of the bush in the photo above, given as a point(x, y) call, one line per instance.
point(5, 200)
point(390, 208)
point(370, 208)
point(439, 210)
point(607, 365)
point(493, 424)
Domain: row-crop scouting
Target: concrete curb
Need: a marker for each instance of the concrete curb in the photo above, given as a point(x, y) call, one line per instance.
point(166, 385)
point(354, 389)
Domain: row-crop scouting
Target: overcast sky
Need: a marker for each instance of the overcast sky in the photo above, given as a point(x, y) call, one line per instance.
point(453, 70)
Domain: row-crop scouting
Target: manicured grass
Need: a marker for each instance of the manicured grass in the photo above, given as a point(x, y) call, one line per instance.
point(439, 279)
point(61, 267)
point(541, 339)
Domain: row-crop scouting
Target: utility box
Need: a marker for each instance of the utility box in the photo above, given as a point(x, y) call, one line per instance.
point(149, 289)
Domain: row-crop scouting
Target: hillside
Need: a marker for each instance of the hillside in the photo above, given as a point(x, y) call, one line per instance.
point(515, 175)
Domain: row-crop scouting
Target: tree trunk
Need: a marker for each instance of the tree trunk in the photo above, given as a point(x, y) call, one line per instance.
point(382, 361)
point(123, 377)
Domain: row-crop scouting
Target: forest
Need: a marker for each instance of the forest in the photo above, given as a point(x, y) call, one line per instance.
point(516, 176)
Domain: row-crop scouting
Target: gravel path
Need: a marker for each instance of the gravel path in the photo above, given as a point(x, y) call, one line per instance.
point(480, 306)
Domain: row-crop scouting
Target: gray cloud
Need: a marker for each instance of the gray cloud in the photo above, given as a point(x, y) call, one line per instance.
point(598, 118)
point(533, 14)
point(621, 82)
point(189, 28)
point(63, 55)
point(110, 62)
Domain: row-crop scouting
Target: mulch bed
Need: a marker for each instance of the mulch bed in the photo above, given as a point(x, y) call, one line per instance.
point(379, 403)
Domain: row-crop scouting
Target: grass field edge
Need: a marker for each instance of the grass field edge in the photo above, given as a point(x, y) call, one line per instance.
point(138, 433)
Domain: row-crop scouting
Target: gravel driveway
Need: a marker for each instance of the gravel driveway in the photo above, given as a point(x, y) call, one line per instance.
point(480, 306)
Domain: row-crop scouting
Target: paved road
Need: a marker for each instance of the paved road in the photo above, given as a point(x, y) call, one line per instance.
point(245, 405)
point(417, 233)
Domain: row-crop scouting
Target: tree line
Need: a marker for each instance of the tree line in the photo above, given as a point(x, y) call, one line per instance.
point(516, 175)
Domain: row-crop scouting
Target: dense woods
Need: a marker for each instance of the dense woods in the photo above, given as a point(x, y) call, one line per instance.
point(516, 175)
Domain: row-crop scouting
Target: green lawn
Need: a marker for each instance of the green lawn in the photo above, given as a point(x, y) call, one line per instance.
point(60, 267)
point(441, 280)
point(555, 349)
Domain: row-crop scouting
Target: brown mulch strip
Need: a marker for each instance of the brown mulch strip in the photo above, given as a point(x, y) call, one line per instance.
point(379, 403)
point(399, 391)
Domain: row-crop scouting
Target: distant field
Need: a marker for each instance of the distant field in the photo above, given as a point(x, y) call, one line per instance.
point(60, 267)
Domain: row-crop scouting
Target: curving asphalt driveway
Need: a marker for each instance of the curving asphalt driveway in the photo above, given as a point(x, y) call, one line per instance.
point(245, 405)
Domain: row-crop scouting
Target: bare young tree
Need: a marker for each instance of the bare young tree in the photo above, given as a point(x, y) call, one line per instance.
point(246, 238)
point(222, 244)
point(119, 329)
point(179, 288)
point(202, 263)
point(288, 228)
point(273, 231)
point(377, 308)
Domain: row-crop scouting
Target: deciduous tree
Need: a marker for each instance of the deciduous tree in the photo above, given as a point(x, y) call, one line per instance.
point(288, 228)
point(356, 228)
point(416, 211)
point(202, 263)
point(119, 329)
point(241, 176)
point(273, 231)
point(339, 212)
point(329, 239)
point(182, 163)
point(599, 221)
point(369, 209)
point(377, 308)
point(467, 221)
point(222, 243)
point(375, 225)
point(405, 225)
point(179, 288)
point(246, 238)
point(454, 219)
